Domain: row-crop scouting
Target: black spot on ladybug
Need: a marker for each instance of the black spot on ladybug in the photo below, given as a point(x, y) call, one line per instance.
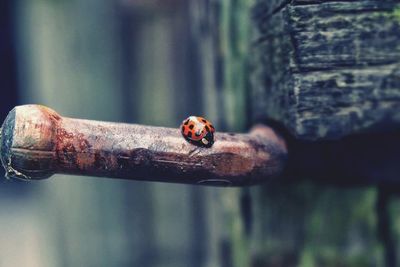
point(186, 122)
point(191, 127)
point(189, 134)
point(208, 129)
point(203, 120)
point(212, 126)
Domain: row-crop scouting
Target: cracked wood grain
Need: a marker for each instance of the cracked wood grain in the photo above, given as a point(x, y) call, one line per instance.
point(328, 69)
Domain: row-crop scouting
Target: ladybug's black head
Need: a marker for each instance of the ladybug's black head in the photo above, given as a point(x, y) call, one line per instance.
point(208, 139)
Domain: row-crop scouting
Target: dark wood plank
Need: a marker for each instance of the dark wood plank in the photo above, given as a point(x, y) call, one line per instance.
point(329, 69)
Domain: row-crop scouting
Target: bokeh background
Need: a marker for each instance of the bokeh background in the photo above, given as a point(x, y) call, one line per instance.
point(156, 62)
point(126, 61)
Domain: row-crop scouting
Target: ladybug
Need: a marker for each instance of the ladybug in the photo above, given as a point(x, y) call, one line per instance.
point(198, 131)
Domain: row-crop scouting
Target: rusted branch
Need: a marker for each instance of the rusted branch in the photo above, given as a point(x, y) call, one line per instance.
point(37, 143)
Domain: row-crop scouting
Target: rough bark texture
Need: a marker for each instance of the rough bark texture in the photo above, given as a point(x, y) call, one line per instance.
point(327, 69)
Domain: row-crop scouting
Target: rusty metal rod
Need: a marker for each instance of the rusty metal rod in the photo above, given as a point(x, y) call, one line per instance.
point(36, 143)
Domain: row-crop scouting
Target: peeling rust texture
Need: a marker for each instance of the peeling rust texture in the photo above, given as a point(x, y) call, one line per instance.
point(37, 143)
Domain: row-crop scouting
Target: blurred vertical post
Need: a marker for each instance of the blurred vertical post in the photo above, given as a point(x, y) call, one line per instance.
point(8, 66)
point(163, 66)
point(222, 30)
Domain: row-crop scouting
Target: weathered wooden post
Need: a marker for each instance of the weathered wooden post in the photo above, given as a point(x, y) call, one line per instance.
point(328, 72)
point(328, 69)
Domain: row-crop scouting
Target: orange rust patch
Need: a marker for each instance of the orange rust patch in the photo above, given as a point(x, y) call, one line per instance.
point(51, 114)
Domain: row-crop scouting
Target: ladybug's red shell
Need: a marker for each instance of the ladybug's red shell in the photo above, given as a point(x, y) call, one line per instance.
point(198, 131)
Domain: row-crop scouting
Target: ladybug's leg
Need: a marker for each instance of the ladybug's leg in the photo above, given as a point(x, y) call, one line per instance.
point(194, 151)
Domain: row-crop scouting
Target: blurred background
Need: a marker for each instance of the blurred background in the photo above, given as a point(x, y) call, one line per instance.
point(127, 61)
point(156, 62)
